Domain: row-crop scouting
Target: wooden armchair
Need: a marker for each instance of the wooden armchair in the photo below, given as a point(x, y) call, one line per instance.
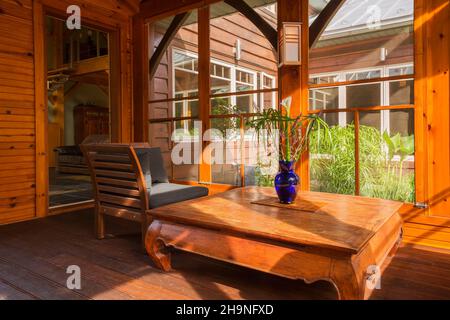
point(125, 187)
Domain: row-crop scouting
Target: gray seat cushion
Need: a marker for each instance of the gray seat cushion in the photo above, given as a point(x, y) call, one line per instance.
point(161, 194)
point(155, 164)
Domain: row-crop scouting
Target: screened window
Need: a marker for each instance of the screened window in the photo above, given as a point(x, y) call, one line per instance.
point(362, 83)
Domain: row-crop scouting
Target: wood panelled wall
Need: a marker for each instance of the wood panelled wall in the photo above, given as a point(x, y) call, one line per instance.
point(17, 102)
point(23, 112)
point(432, 122)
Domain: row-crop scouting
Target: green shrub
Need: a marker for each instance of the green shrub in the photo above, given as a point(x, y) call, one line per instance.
point(381, 175)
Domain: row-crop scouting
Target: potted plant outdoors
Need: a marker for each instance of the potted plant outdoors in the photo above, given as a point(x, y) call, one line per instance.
point(292, 136)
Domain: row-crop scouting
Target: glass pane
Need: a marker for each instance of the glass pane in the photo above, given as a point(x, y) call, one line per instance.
point(401, 121)
point(219, 86)
point(367, 95)
point(326, 98)
point(401, 92)
point(186, 151)
point(364, 75)
point(242, 59)
point(369, 118)
point(323, 79)
point(387, 163)
point(185, 74)
point(269, 100)
point(225, 148)
point(246, 104)
point(363, 37)
point(400, 71)
point(220, 71)
point(332, 164)
point(177, 72)
point(260, 160)
point(222, 106)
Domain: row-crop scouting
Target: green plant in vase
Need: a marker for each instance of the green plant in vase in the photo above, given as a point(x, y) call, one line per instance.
point(292, 136)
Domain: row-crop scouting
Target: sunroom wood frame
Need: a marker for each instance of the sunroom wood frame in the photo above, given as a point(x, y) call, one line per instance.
point(294, 81)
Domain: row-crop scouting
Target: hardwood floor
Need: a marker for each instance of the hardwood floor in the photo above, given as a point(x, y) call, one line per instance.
point(34, 257)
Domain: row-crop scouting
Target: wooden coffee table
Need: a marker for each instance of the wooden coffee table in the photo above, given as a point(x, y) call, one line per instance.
point(342, 239)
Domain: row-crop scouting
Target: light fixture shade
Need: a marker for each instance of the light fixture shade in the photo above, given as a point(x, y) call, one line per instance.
point(291, 44)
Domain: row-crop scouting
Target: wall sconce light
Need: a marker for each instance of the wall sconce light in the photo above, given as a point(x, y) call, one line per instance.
point(383, 54)
point(291, 44)
point(237, 50)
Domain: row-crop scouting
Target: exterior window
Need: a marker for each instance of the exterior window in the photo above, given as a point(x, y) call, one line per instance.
point(268, 100)
point(324, 79)
point(363, 75)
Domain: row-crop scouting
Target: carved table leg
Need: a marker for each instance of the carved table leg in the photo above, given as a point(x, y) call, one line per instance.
point(396, 245)
point(156, 248)
point(347, 282)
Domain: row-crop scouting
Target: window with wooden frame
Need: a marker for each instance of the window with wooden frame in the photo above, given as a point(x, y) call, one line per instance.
point(362, 84)
point(242, 81)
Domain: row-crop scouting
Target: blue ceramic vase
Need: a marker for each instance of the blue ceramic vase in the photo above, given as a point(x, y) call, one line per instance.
point(286, 182)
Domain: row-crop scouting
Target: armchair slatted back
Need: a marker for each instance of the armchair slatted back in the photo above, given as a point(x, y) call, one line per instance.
point(118, 182)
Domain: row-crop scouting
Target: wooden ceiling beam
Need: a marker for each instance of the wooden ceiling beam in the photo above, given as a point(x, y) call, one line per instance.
point(323, 19)
point(266, 29)
point(175, 25)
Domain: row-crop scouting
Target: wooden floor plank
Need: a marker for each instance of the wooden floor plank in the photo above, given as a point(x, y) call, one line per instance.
point(36, 285)
point(8, 292)
point(34, 256)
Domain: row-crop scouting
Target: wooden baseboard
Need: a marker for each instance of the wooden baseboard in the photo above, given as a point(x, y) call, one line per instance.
point(422, 229)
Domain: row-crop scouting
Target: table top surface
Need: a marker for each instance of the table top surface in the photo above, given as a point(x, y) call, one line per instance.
point(341, 222)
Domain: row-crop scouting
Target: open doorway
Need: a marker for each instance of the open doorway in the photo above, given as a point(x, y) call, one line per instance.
point(78, 76)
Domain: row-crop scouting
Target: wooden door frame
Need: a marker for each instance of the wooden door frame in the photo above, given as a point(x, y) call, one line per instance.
point(40, 11)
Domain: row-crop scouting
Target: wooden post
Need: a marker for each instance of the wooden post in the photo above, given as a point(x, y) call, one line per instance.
point(40, 72)
point(293, 80)
point(204, 87)
point(436, 106)
point(140, 79)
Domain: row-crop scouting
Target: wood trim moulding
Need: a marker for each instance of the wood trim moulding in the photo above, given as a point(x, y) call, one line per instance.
point(204, 88)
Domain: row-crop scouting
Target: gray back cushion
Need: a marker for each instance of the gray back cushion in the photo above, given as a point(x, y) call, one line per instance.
point(144, 160)
point(159, 174)
point(155, 164)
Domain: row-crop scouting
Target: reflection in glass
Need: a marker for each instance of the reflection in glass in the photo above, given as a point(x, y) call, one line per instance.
point(401, 92)
point(226, 151)
point(402, 122)
point(366, 95)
